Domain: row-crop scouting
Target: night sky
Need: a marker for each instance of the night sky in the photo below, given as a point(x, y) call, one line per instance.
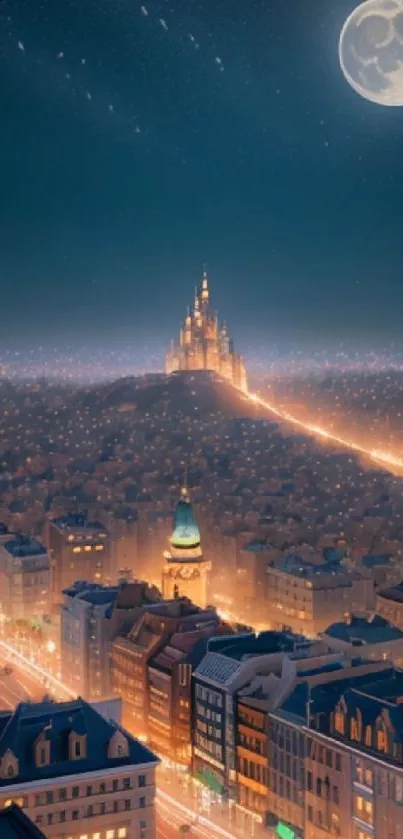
point(138, 143)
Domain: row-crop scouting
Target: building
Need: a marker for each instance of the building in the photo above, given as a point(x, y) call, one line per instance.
point(389, 604)
point(306, 595)
point(334, 753)
point(79, 550)
point(75, 774)
point(252, 769)
point(185, 568)
point(24, 577)
point(151, 670)
point(204, 345)
point(170, 685)
point(373, 637)
point(15, 824)
point(230, 663)
point(91, 615)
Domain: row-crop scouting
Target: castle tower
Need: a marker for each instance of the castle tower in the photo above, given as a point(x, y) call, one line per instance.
point(185, 569)
point(203, 345)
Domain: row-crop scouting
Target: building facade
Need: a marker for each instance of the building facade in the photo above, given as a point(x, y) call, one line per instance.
point(204, 345)
point(79, 550)
point(75, 774)
point(185, 569)
point(307, 596)
point(24, 578)
point(91, 615)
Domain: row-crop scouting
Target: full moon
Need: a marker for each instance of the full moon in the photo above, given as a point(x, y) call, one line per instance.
point(371, 51)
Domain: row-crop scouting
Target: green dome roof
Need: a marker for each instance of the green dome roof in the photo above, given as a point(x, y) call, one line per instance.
point(185, 533)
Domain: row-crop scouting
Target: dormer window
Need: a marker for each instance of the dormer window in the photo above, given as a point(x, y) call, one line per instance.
point(118, 746)
point(339, 721)
point(42, 750)
point(9, 765)
point(77, 746)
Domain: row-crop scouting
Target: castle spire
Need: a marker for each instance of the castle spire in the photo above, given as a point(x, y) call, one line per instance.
point(204, 288)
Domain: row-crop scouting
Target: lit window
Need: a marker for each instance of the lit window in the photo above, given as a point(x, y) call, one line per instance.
point(87, 547)
point(122, 833)
point(339, 722)
point(96, 836)
point(99, 547)
point(76, 550)
point(84, 836)
point(110, 834)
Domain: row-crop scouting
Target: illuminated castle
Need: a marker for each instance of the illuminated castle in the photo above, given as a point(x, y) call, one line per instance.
point(204, 345)
point(185, 568)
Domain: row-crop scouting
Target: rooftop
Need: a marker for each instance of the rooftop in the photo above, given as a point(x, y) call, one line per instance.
point(297, 566)
point(77, 521)
point(359, 631)
point(393, 593)
point(20, 546)
point(55, 721)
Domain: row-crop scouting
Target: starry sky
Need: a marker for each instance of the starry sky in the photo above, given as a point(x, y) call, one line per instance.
point(139, 142)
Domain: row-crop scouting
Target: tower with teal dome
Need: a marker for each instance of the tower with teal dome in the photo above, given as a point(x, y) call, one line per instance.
point(185, 569)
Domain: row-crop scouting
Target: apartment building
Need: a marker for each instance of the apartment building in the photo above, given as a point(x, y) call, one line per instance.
point(75, 774)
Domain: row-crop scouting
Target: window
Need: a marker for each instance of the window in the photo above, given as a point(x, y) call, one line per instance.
point(62, 816)
point(49, 797)
point(50, 818)
point(37, 799)
point(142, 801)
point(75, 792)
point(127, 804)
point(110, 834)
point(126, 783)
point(77, 748)
point(368, 736)
point(338, 763)
point(102, 787)
point(354, 729)
point(381, 743)
point(122, 833)
point(90, 811)
point(142, 780)
point(115, 785)
point(339, 722)
point(96, 836)
point(62, 794)
point(84, 836)
point(75, 815)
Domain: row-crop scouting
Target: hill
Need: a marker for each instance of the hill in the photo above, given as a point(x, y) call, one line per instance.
point(180, 393)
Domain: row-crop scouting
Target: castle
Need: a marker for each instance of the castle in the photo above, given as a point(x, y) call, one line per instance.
point(204, 345)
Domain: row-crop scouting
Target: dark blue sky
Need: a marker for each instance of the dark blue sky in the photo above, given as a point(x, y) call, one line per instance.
point(131, 159)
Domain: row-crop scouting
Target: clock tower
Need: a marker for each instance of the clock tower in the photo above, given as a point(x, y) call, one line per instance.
point(185, 569)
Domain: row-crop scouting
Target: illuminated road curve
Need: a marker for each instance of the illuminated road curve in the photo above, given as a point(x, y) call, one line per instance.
point(176, 814)
point(61, 690)
point(379, 455)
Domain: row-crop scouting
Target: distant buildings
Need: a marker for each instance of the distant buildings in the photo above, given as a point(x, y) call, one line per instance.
point(80, 550)
point(90, 617)
point(24, 577)
point(185, 568)
point(306, 595)
point(203, 345)
point(75, 774)
point(372, 637)
point(389, 604)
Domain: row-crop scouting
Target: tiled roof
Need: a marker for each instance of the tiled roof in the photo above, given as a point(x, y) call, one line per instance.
point(375, 631)
point(218, 668)
point(20, 728)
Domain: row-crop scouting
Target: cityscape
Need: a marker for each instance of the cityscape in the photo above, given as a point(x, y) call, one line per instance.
point(201, 463)
point(202, 604)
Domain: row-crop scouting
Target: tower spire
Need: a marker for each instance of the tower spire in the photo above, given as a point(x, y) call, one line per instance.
point(204, 288)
